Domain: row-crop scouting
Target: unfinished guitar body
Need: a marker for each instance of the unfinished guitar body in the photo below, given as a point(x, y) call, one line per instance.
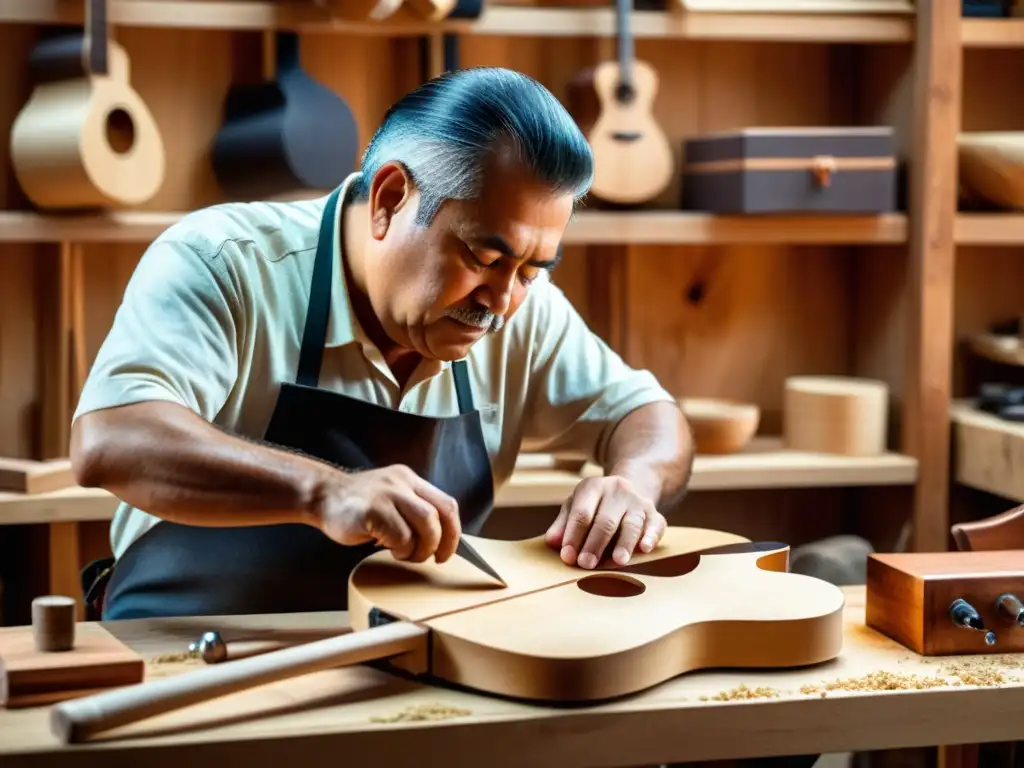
point(703, 599)
point(551, 631)
point(85, 140)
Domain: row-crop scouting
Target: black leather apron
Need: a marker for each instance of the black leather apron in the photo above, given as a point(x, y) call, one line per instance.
point(182, 570)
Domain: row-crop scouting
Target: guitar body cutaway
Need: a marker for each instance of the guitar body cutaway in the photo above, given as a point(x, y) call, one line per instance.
point(88, 141)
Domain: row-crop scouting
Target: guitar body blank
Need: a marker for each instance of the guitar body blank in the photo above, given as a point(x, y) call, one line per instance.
point(633, 160)
point(87, 141)
point(283, 136)
point(704, 599)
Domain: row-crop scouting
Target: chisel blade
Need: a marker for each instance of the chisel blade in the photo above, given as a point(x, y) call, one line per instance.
point(470, 554)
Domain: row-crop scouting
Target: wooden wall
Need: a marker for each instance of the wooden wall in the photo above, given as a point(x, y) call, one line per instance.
point(719, 321)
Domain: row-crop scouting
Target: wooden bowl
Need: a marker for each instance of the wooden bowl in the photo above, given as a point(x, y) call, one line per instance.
point(991, 166)
point(720, 426)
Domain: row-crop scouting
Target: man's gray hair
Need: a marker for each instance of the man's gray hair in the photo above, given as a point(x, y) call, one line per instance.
point(446, 130)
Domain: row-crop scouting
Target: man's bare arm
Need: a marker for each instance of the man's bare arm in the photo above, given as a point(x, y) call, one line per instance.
point(170, 462)
point(652, 447)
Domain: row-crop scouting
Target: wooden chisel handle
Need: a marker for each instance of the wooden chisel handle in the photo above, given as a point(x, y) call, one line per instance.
point(76, 720)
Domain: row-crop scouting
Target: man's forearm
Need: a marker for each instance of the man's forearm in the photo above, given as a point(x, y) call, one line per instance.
point(652, 447)
point(164, 459)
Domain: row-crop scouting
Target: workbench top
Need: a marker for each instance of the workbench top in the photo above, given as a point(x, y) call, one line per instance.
point(877, 695)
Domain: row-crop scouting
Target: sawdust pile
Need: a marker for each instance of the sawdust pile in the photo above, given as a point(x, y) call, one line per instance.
point(742, 692)
point(982, 670)
point(423, 712)
point(172, 658)
point(876, 681)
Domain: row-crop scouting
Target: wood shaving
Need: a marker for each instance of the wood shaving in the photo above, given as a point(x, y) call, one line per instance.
point(423, 712)
point(172, 658)
point(742, 692)
point(982, 670)
point(876, 681)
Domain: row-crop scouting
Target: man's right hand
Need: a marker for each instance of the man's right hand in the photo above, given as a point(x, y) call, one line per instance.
point(393, 507)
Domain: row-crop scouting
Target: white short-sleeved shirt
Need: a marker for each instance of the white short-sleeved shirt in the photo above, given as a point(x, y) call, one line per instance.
point(212, 318)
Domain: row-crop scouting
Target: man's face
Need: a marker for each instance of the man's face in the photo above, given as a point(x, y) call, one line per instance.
point(440, 289)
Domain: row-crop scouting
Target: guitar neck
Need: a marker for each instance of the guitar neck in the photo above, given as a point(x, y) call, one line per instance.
point(286, 51)
point(96, 37)
point(625, 43)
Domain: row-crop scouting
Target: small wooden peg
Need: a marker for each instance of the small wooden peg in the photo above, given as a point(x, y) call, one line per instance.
point(53, 623)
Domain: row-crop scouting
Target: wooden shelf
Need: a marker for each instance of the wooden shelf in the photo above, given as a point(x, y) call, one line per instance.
point(592, 227)
point(496, 20)
point(990, 229)
point(989, 451)
point(763, 465)
point(992, 33)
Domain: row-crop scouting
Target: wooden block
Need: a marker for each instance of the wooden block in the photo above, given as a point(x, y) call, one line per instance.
point(26, 476)
point(911, 598)
point(836, 414)
point(30, 677)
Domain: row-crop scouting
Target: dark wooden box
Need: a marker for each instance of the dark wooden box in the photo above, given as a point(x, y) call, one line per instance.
point(792, 170)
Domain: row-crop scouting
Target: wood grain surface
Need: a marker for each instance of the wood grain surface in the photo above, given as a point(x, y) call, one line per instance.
point(876, 695)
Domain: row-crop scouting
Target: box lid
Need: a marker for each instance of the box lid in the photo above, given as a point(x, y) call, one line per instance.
point(780, 143)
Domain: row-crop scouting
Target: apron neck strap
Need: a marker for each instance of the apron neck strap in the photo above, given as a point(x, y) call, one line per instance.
point(318, 312)
point(463, 391)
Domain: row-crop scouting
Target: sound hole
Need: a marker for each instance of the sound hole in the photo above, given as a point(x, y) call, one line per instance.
point(120, 131)
point(607, 585)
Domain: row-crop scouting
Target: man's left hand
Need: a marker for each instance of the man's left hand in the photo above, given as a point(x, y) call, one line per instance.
point(600, 510)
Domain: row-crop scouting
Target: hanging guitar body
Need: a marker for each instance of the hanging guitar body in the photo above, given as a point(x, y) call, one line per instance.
point(85, 139)
point(633, 160)
point(290, 134)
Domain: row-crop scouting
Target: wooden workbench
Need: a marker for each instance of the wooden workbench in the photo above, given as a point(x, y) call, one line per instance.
point(330, 718)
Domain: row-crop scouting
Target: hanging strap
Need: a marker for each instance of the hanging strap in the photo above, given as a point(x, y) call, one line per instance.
point(318, 312)
point(462, 389)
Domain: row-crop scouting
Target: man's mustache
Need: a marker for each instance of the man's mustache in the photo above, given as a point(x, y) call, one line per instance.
point(478, 318)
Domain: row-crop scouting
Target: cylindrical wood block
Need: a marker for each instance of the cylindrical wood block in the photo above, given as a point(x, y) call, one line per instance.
point(836, 414)
point(53, 623)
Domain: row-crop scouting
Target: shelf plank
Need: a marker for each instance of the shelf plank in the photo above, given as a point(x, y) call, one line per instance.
point(667, 227)
point(763, 465)
point(991, 229)
point(989, 451)
point(588, 228)
point(495, 20)
point(992, 33)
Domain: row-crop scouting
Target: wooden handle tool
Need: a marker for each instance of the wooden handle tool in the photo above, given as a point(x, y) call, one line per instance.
point(78, 719)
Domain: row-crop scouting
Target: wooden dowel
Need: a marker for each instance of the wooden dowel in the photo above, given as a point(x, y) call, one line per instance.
point(78, 719)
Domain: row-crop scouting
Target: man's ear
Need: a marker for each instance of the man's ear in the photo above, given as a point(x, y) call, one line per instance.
point(390, 191)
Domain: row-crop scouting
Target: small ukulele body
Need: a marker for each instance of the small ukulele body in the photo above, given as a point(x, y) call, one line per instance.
point(703, 600)
point(614, 106)
point(285, 135)
point(85, 139)
point(633, 160)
